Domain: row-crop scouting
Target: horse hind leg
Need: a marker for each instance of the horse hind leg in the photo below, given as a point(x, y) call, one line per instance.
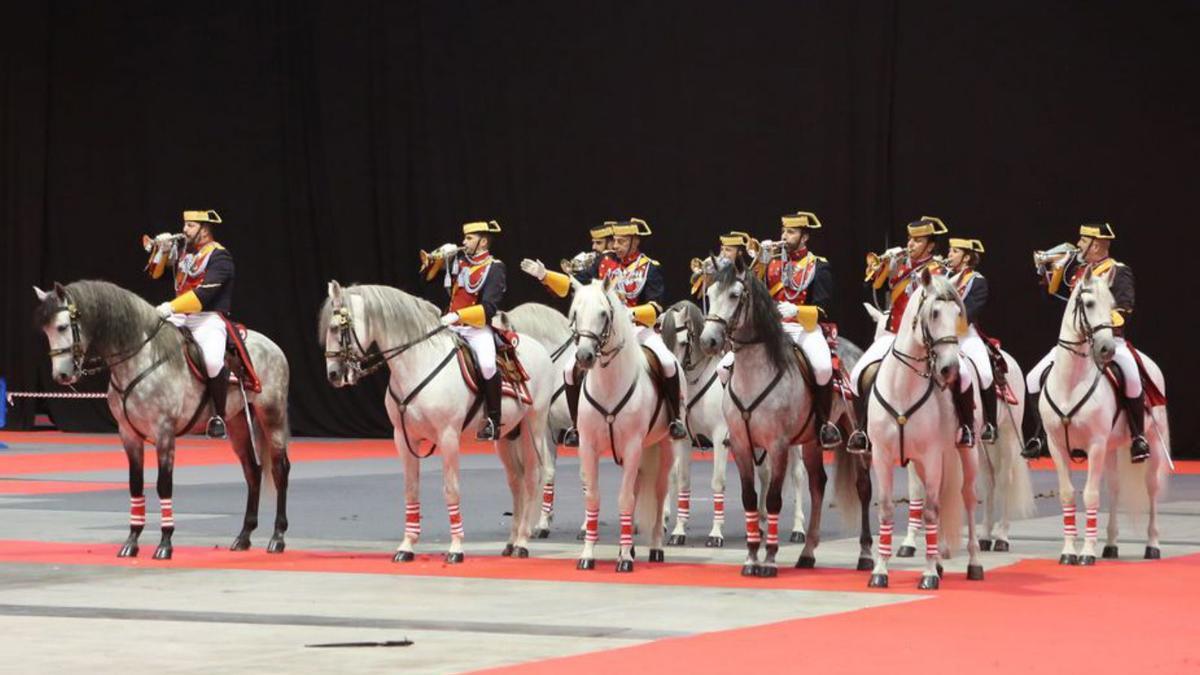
point(1111, 550)
point(405, 552)
point(716, 535)
point(815, 468)
point(798, 472)
point(549, 456)
point(865, 542)
point(135, 454)
point(273, 435)
point(239, 437)
point(165, 448)
point(681, 475)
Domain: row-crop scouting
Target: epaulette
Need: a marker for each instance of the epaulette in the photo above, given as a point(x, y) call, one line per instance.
point(821, 258)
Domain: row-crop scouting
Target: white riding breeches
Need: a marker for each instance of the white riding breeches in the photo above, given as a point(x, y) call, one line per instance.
point(875, 353)
point(815, 349)
point(973, 348)
point(208, 329)
point(648, 337)
point(1122, 356)
point(483, 344)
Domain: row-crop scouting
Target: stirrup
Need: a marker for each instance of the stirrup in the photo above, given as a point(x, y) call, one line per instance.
point(677, 430)
point(988, 434)
point(215, 428)
point(1033, 448)
point(1139, 450)
point(489, 432)
point(966, 437)
point(858, 443)
point(570, 438)
point(830, 435)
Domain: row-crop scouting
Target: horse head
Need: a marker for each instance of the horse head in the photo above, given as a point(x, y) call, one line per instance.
point(680, 328)
point(727, 296)
point(600, 321)
point(942, 319)
point(1092, 318)
point(343, 330)
point(58, 317)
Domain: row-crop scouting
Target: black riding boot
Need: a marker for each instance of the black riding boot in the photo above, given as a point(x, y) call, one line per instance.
point(1135, 411)
point(1036, 445)
point(964, 409)
point(858, 443)
point(218, 388)
point(491, 403)
point(829, 435)
point(989, 398)
point(678, 429)
point(571, 436)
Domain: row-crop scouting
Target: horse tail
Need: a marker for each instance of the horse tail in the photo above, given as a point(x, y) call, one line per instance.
point(1133, 498)
point(648, 503)
point(951, 507)
point(845, 489)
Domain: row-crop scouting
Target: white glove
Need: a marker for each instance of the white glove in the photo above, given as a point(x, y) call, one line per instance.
point(534, 268)
point(448, 250)
point(450, 319)
point(164, 310)
point(786, 310)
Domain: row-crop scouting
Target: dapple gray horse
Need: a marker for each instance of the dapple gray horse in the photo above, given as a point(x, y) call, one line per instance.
point(155, 397)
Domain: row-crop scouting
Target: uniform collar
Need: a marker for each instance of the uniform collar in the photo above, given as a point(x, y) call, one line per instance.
point(798, 254)
point(631, 259)
point(478, 258)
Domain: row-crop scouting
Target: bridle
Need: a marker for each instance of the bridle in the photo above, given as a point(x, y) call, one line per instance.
point(605, 352)
point(734, 322)
point(351, 352)
point(79, 358)
point(922, 365)
point(1084, 327)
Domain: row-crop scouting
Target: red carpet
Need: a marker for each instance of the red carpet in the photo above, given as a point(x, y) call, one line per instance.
point(1033, 617)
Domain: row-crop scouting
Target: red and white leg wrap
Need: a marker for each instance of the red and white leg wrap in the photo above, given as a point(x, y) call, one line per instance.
point(931, 540)
point(627, 529)
point(1091, 530)
point(885, 540)
point(719, 507)
point(548, 498)
point(592, 525)
point(168, 513)
point(753, 534)
point(772, 529)
point(916, 514)
point(412, 519)
point(456, 525)
point(685, 504)
point(1069, 521)
point(137, 511)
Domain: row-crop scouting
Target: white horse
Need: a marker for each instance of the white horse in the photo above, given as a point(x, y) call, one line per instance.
point(911, 418)
point(766, 404)
point(1003, 477)
point(1080, 411)
point(364, 327)
point(622, 412)
point(551, 328)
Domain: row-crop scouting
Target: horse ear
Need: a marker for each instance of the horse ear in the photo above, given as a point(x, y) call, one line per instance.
point(926, 277)
point(60, 291)
point(41, 295)
point(609, 281)
point(875, 314)
point(335, 291)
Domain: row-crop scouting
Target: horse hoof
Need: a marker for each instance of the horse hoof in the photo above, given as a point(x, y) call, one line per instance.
point(941, 572)
point(750, 570)
point(657, 555)
point(677, 540)
point(541, 533)
point(162, 553)
point(632, 552)
point(403, 556)
point(1152, 553)
point(131, 551)
point(508, 551)
point(865, 564)
point(454, 558)
point(975, 572)
point(878, 581)
point(1110, 553)
point(929, 583)
point(581, 535)
point(1087, 560)
point(715, 542)
point(240, 544)
point(520, 552)
point(797, 537)
point(985, 544)
point(768, 571)
point(624, 565)
point(1068, 559)
point(1001, 546)
point(806, 562)
point(906, 552)
point(586, 564)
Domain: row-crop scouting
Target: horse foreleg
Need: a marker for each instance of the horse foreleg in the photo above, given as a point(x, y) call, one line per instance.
point(778, 457)
point(450, 490)
point(994, 490)
point(970, 469)
point(881, 464)
point(916, 508)
point(589, 470)
point(135, 454)
point(815, 468)
point(512, 472)
point(548, 453)
point(165, 448)
point(627, 501)
point(930, 473)
point(661, 484)
point(1153, 487)
point(744, 458)
point(1091, 501)
point(800, 481)
point(682, 477)
point(412, 502)
point(1111, 550)
point(716, 536)
point(239, 437)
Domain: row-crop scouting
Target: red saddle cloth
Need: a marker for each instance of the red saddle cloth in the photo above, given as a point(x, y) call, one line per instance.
point(999, 367)
point(841, 378)
point(1154, 396)
point(512, 374)
point(237, 358)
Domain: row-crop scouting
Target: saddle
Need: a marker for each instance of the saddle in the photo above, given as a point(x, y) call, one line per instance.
point(841, 378)
point(513, 376)
point(1116, 378)
point(237, 357)
point(999, 367)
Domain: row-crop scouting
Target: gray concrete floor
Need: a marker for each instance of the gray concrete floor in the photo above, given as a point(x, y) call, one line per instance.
point(75, 618)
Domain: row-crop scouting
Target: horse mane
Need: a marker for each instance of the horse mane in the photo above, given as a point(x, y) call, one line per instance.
point(693, 320)
point(389, 311)
point(540, 322)
point(940, 288)
point(112, 318)
point(764, 317)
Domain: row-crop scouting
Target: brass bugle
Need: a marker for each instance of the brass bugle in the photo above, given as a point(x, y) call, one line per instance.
point(578, 263)
point(1053, 256)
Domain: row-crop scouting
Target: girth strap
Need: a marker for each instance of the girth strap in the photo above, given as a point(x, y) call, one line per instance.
point(902, 418)
point(402, 404)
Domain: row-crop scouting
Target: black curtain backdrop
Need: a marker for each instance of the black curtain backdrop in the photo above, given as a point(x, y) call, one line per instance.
point(337, 138)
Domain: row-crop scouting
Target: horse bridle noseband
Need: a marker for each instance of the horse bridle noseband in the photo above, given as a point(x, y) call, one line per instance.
point(913, 362)
point(734, 322)
point(1084, 327)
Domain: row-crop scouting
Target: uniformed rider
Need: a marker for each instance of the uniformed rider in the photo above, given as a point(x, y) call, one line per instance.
point(963, 261)
point(203, 296)
point(1091, 256)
